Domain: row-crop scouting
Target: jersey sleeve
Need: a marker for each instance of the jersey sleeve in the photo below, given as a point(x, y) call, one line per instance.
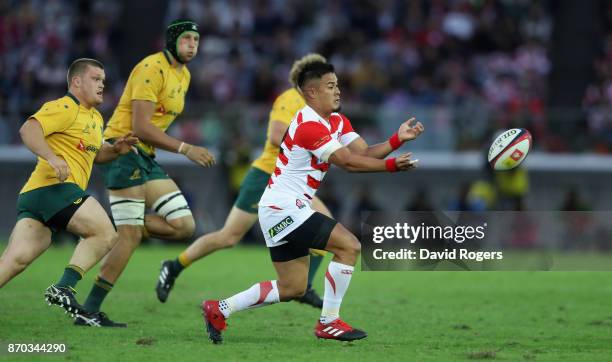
point(55, 116)
point(147, 82)
point(316, 138)
point(283, 109)
point(347, 134)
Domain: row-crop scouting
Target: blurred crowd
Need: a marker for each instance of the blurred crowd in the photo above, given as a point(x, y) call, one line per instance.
point(597, 102)
point(465, 68)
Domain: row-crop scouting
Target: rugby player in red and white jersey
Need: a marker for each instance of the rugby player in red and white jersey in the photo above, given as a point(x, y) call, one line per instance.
point(317, 137)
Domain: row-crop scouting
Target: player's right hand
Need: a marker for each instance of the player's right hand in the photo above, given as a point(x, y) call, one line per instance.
point(200, 155)
point(404, 162)
point(59, 165)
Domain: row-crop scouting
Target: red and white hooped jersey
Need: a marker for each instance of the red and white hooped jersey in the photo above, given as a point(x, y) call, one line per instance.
point(304, 152)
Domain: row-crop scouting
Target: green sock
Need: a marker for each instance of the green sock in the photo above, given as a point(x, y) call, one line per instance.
point(315, 261)
point(97, 294)
point(72, 275)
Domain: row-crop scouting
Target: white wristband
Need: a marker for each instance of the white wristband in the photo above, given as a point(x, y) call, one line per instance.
point(181, 147)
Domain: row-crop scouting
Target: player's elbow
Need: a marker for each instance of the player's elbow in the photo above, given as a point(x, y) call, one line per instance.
point(26, 130)
point(348, 164)
point(342, 159)
point(140, 131)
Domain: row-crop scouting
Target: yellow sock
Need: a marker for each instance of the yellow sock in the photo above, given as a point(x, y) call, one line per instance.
point(184, 260)
point(77, 269)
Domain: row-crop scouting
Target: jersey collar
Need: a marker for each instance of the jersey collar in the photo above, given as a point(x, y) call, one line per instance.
point(321, 119)
point(167, 57)
point(71, 96)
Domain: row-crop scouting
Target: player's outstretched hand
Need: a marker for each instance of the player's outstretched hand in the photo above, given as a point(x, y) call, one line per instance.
point(62, 171)
point(125, 144)
point(404, 162)
point(408, 131)
point(199, 155)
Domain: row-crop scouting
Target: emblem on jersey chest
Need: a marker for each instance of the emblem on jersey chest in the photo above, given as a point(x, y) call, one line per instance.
point(299, 204)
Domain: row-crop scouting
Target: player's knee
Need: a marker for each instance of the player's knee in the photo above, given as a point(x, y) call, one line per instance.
point(110, 238)
point(173, 208)
point(185, 227)
point(291, 290)
point(131, 235)
point(231, 238)
point(15, 265)
point(297, 292)
point(352, 246)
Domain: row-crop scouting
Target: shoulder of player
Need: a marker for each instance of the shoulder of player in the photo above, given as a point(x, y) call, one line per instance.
point(339, 116)
point(67, 104)
point(306, 123)
point(288, 95)
point(153, 62)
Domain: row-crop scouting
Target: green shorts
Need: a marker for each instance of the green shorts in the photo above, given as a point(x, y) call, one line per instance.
point(131, 169)
point(44, 203)
point(252, 188)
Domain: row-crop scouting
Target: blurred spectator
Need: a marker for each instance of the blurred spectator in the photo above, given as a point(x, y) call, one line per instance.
point(464, 67)
point(364, 203)
point(420, 202)
point(579, 227)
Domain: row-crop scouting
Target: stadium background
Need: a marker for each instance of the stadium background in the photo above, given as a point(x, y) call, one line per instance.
point(465, 68)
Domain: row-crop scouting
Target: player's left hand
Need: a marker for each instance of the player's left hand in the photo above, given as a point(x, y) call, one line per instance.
point(125, 144)
point(408, 131)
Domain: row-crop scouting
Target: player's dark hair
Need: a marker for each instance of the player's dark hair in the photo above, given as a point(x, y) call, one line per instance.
point(314, 70)
point(79, 66)
point(299, 65)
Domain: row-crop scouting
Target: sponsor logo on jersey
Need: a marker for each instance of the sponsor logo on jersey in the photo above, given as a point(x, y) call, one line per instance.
point(322, 141)
point(89, 148)
point(278, 228)
point(163, 110)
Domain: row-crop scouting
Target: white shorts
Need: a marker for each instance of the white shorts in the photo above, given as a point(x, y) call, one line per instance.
point(279, 216)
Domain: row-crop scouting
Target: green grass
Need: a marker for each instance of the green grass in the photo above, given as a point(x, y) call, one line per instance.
point(423, 316)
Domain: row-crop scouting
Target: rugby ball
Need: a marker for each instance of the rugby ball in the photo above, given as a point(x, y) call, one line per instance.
point(509, 149)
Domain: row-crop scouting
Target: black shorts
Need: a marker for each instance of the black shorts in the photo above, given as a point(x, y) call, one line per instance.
point(60, 220)
point(313, 233)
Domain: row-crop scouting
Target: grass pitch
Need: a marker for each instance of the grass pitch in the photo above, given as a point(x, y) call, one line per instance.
point(421, 316)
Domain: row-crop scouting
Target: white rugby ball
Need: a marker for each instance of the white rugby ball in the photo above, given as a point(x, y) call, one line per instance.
point(510, 149)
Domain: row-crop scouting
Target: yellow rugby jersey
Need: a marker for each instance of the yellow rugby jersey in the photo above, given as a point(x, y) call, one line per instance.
point(153, 79)
point(284, 108)
point(74, 133)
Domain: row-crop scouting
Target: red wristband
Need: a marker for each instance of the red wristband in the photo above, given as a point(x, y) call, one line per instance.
point(390, 164)
point(394, 141)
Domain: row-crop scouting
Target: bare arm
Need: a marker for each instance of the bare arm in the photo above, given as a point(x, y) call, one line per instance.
point(142, 112)
point(379, 150)
point(352, 162)
point(106, 153)
point(277, 131)
point(122, 145)
point(33, 137)
point(406, 132)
